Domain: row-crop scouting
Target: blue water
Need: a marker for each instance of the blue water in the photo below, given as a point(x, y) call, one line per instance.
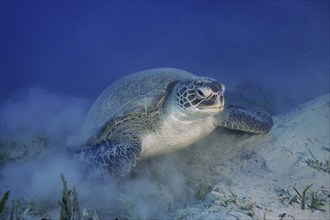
point(77, 48)
point(56, 57)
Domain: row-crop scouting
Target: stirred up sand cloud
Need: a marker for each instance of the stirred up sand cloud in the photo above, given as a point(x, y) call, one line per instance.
point(227, 175)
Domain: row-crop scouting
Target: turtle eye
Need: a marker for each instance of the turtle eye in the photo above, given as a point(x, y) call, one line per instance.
point(200, 92)
point(204, 92)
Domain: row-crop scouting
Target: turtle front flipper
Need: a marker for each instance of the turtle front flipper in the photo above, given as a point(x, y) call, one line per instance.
point(245, 119)
point(116, 159)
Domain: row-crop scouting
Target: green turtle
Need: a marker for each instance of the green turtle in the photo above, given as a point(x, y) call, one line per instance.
point(154, 111)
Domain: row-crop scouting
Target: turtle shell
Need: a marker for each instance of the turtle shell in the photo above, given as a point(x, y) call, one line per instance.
point(135, 93)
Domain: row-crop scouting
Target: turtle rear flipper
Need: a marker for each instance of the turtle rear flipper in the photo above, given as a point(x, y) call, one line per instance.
point(245, 119)
point(116, 159)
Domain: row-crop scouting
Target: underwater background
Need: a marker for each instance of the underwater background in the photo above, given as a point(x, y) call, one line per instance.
point(56, 57)
point(78, 48)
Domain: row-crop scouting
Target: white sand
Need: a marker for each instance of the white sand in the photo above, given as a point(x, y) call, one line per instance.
point(262, 170)
point(245, 176)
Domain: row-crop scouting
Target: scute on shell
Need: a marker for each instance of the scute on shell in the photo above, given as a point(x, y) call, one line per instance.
point(134, 93)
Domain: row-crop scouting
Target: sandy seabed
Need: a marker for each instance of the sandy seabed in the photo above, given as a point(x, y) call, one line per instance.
point(228, 175)
point(264, 171)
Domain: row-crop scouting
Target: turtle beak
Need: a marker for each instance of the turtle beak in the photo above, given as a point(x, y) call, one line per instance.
point(221, 96)
point(220, 102)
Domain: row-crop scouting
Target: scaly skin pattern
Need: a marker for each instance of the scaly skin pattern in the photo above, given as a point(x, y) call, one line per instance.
point(247, 119)
point(156, 111)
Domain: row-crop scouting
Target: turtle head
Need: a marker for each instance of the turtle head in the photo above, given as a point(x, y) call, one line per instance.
point(199, 96)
